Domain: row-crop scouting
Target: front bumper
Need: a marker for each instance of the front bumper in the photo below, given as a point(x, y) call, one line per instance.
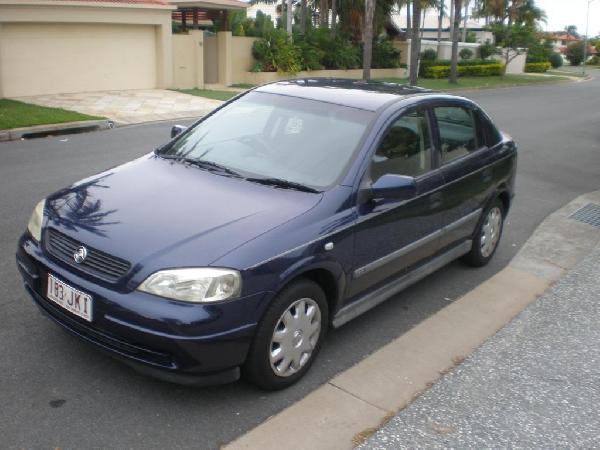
point(175, 341)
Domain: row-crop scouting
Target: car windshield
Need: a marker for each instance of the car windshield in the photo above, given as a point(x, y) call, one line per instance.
point(270, 136)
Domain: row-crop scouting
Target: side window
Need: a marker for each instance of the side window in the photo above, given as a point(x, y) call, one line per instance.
point(405, 148)
point(458, 133)
point(491, 133)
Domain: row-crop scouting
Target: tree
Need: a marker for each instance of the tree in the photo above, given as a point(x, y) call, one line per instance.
point(574, 53)
point(368, 38)
point(455, 30)
point(571, 30)
point(415, 43)
point(513, 39)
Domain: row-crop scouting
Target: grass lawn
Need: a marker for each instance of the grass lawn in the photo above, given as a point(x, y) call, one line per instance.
point(479, 82)
point(14, 114)
point(215, 95)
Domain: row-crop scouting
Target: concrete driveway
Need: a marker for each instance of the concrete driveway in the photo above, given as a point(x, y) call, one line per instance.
point(129, 107)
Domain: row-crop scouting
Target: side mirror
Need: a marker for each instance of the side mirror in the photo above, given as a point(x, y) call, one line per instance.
point(177, 130)
point(396, 187)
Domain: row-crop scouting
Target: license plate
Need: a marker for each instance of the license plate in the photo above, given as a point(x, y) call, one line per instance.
point(69, 298)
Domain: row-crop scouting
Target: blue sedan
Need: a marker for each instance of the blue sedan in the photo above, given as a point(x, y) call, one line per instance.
point(293, 208)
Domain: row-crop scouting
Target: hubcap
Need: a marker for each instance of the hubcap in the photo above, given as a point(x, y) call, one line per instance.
point(295, 337)
point(490, 232)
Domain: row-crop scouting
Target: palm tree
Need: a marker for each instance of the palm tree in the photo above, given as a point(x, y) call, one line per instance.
point(464, 31)
point(323, 13)
point(441, 5)
point(415, 43)
point(333, 16)
point(303, 17)
point(454, 59)
point(288, 17)
point(368, 39)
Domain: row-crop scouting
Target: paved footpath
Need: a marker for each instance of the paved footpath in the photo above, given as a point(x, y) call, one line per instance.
point(535, 384)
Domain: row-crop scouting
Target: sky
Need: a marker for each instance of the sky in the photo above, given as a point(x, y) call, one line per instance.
point(571, 12)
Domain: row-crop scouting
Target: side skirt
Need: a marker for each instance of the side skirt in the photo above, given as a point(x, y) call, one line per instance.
point(372, 299)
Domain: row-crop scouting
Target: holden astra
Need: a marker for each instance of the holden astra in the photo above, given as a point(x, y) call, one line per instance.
point(293, 208)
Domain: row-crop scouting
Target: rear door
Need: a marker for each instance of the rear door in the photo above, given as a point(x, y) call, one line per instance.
point(465, 164)
point(393, 235)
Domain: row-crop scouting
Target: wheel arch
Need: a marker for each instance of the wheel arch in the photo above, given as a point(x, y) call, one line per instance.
point(328, 275)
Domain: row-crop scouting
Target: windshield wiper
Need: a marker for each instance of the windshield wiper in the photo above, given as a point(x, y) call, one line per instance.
point(208, 165)
point(285, 184)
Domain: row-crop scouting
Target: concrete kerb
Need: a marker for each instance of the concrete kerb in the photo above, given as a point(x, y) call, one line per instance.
point(344, 411)
point(59, 128)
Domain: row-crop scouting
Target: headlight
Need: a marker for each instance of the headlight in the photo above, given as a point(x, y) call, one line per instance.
point(35, 222)
point(194, 285)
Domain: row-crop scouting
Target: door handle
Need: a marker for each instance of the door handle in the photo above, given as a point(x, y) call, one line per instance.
point(435, 200)
point(487, 174)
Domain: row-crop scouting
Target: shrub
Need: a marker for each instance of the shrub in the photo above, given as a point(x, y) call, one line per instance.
point(486, 50)
point(429, 55)
point(338, 51)
point(466, 53)
point(275, 52)
point(311, 56)
point(556, 60)
point(385, 55)
point(574, 53)
point(539, 67)
point(594, 61)
point(539, 52)
point(482, 70)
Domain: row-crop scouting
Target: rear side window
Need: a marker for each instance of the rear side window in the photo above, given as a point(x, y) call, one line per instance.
point(490, 132)
point(458, 132)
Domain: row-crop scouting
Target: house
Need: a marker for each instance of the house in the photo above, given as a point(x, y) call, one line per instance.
point(560, 40)
point(430, 23)
point(65, 46)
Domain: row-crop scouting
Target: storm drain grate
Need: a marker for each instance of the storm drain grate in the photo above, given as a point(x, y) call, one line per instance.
point(589, 214)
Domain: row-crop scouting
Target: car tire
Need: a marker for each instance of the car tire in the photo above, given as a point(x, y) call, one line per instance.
point(487, 236)
point(288, 337)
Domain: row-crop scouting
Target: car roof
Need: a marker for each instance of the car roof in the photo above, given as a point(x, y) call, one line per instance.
point(368, 95)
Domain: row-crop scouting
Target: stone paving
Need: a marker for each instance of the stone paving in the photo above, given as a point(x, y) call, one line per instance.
point(130, 106)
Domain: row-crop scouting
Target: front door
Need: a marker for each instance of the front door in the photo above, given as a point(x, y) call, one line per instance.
point(392, 235)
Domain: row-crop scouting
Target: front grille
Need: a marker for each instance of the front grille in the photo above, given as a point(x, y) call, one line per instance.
point(96, 263)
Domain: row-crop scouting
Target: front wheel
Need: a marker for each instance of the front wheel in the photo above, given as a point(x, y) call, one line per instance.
point(487, 236)
point(288, 337)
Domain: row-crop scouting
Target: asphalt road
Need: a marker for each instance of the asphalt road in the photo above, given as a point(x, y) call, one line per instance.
point(58, 392)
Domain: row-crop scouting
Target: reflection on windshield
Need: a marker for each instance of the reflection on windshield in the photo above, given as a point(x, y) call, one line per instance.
point(274, 136)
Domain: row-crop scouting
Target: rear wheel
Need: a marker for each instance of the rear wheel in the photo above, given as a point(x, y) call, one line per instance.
point(487, 236)
point(288, 337)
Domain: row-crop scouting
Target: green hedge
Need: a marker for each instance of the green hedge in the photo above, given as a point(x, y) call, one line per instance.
point(481, 70)
point(537, 67)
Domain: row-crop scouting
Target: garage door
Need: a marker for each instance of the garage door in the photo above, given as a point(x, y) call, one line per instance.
point(61, 58)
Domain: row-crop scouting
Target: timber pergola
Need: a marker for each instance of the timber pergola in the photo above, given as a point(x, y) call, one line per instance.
point(192, 12)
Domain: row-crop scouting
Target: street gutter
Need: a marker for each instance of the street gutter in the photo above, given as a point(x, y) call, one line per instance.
point(55, 129)
point(342, 413)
